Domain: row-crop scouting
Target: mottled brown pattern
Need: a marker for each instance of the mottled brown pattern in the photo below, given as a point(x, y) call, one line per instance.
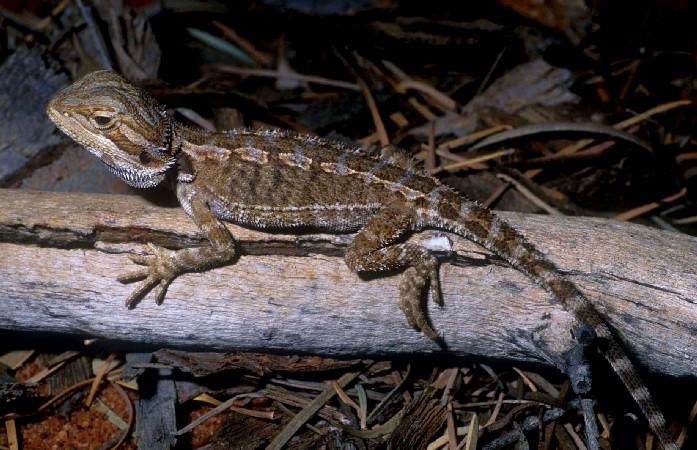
point(506, 240)
point(447, 210)
point(275, 180)
point(538, 266)
point(479, 221)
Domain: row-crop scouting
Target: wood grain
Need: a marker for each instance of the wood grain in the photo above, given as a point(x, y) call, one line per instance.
point(60, 254)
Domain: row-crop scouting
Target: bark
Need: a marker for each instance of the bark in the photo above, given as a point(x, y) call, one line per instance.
point(60, 254)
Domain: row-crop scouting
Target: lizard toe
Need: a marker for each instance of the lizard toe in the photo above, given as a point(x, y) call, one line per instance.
point(143, 260)
point(133, 275)
point(411, 302)
point(161, 291)
point(406, 297)
point(139, 292)
point(436, 293)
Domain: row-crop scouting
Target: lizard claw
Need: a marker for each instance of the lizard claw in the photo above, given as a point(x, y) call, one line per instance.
point(161, 270)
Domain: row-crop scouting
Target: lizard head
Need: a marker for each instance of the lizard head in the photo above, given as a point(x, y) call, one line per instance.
point(119, 123)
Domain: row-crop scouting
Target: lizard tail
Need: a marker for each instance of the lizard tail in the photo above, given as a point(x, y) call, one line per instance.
point(622, 365)
point(482, 226)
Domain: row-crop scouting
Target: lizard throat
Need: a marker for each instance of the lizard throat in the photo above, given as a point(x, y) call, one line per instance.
point(136, 179)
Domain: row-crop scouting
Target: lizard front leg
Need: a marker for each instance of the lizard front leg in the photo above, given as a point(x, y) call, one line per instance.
point(165, 265)
point(376, 249)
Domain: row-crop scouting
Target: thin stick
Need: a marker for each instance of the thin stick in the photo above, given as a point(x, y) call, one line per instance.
point(11, 431)
point(486, 79)
point(98, 379)
point(651, 112)
point(431, 158)
point(227, 404)
point(478, 159)
point(307, 412)
point(131, 416)
point(374, 112)
point(641, 210)
point(537, 201)
point(97, 40)
point(260, 57)
point(573, 148)
point(442, 100)
point(473, 137)
point(276, 74)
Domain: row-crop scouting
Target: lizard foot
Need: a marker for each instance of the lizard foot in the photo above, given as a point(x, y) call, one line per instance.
point(161, 270)
point(411, 301)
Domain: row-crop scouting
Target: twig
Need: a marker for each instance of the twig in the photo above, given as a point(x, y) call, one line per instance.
point(224, 68)
point(98, 379)
point(575, 437)
point(595, 150)
point(307, 412)
point(96, 37)
point(571, 149)
point(221, 45)
point(686, 426)
point(390, 395)
point(374, 112)
point(345, 398)
point(422, 109)
point(475, 160)
point(495, 413)
point(438, 98)
point(131, 416)
point(44, 373)
point(529, 195)
point(431, 149)
point(641, 210)
point(65, 392)
point(11, 431)
point(685, 220)
point(473, 137)
point(261, 58)
point(472, 433)
point(495, 195)
point(560, 128)
point(488, 75)
point(451, 427)
point(651, 112)
point(227, 404)
point(591, 426)
point(632, 67)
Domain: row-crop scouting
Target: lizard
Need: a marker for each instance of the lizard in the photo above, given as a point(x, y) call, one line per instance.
point(275, 180)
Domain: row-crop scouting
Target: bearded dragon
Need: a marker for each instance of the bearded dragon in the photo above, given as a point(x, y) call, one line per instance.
point(274, 180)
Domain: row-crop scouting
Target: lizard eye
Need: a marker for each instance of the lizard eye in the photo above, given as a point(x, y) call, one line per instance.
point(145, 157)
point(103, 122)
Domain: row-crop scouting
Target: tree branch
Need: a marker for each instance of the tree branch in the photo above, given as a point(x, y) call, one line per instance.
point(60, 254)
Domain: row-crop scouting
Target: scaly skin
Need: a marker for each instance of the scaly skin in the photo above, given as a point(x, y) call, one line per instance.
point(272, 180)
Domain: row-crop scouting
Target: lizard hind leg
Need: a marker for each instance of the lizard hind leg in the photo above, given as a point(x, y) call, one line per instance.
point(376, 248)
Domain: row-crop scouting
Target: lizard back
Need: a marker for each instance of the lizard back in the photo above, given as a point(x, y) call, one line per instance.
point(278, 180)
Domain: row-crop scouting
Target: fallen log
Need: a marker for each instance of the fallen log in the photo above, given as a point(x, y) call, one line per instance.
point(61, 252)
